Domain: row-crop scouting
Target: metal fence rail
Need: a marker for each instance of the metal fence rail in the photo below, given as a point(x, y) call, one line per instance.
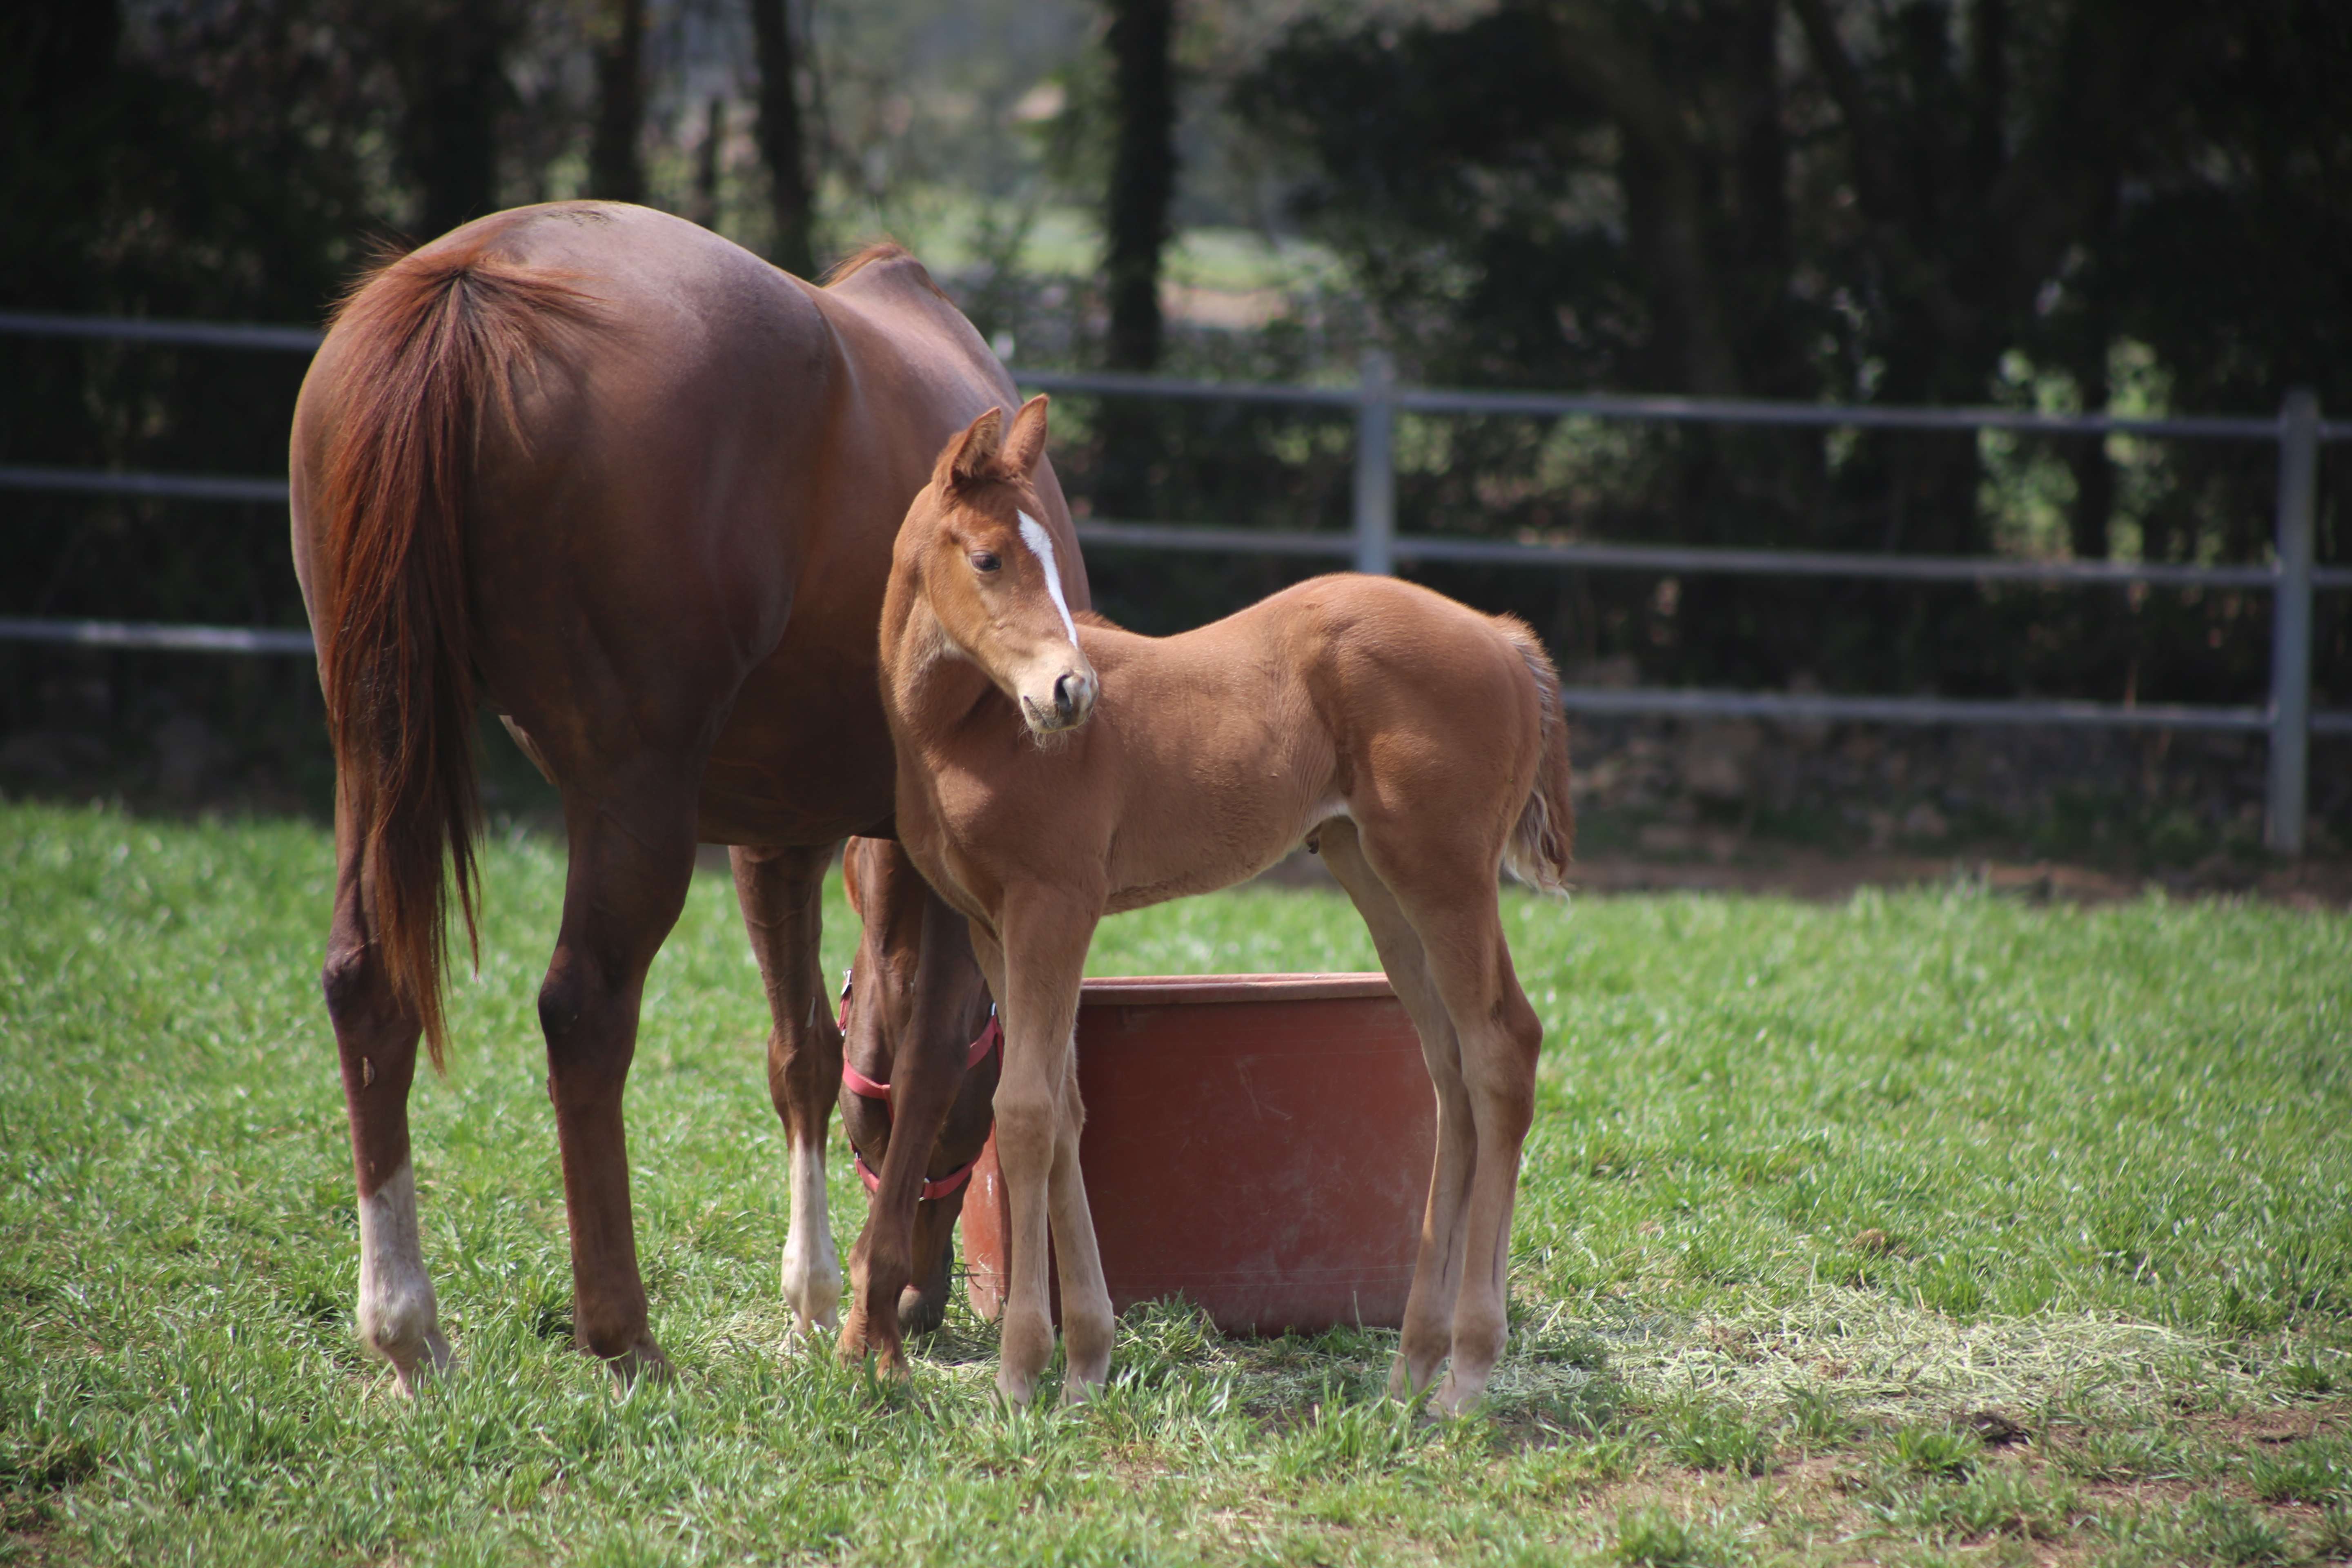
point(1372, 543)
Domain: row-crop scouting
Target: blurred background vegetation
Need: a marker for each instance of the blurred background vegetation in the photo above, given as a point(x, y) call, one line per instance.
point(2141, 206)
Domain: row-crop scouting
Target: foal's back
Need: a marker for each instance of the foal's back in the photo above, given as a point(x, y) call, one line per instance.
point(1344, 695)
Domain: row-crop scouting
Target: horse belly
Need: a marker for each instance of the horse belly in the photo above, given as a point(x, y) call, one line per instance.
point(800, 760)
point(1210, 833)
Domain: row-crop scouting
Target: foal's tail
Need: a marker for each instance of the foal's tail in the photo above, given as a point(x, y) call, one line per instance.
point(1545, 839)
point(422, 347)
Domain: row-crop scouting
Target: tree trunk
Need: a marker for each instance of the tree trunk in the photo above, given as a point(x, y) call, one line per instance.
point(1142, 179)
point(450, 57)
point(616, 171)
point(705, 207)
point(782, 143)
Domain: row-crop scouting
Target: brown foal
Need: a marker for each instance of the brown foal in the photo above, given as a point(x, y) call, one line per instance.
point(635, 489)
point(1050, 773)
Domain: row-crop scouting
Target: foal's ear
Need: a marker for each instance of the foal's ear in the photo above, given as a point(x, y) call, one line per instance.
point(970, 454)
point(1027, 442)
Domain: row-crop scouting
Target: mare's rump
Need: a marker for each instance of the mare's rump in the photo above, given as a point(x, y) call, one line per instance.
point(423, 354)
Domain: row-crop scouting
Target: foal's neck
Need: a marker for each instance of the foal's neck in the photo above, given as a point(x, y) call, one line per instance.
point(933, 687)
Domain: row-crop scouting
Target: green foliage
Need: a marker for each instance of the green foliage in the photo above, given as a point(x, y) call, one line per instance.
point(1715, 201)
point(1654, 1538)
point(1815, 1418)
point(1939, 1453)
point(2317, 1470)
point(2108, 1453)
point(2004, 1501)
point(1708, 1437)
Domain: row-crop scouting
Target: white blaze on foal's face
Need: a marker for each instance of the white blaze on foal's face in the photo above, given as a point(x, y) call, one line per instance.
point(1041, 545)
point(1057, 691)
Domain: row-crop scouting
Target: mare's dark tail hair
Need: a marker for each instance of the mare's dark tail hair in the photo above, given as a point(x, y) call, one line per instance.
point(423, 347)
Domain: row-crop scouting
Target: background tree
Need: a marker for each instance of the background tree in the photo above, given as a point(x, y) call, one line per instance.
point(1926, 202)
point(449, 56)
point(616, 169)
point(1136, 232)
point(783, 142)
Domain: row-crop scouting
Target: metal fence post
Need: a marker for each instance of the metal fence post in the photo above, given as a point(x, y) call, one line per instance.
point(2290, 714)
point(1375, 521)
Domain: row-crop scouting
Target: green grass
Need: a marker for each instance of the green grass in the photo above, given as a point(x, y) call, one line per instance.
point(1809, 1188)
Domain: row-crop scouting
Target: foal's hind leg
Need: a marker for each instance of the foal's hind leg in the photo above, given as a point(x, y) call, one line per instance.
point(781, 894)
point(1437, 1266)
point(1443, 887)
point(376, 1038)
point(631, 842)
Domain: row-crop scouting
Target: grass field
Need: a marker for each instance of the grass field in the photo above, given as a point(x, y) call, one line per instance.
point(1925, 1228)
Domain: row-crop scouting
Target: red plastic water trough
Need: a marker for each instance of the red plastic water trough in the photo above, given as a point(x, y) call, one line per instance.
point(1258, 1144)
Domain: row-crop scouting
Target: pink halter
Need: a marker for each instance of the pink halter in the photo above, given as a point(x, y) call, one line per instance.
point(991, 1038)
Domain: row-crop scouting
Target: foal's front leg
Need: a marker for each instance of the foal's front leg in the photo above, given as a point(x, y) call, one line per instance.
point(781, 893)
point(1037, 973)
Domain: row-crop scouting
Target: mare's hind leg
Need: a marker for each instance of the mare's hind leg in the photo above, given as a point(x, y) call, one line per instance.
point(781, 894)
point(632, 844)
point(1442, 890)
point(399, 1318)
point(1437, 1266)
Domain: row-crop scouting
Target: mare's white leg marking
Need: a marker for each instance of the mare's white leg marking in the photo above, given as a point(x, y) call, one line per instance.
point(812, 1267)
point(1041, 545)
point(398, 1318)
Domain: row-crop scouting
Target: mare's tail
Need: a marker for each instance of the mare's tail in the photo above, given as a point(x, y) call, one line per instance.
point(1544, 837)
point(421, 348)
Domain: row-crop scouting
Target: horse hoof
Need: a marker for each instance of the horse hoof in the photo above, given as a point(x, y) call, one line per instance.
point(642, 1362)
point(1405, 1382)
point(1014, 1391)
point(1080, 1390)
point(1454, 1398)
point(918, 1314)
point(411, 1372)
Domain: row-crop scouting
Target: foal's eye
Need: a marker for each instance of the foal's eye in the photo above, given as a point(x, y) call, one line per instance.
point(984, 560)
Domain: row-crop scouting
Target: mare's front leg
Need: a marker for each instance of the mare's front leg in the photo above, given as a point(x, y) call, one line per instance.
point(375, 1036)
point(632, 847)
point(1038, 972)
point(781, 894)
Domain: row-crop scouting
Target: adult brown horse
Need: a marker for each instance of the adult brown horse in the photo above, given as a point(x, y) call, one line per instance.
point(637, 489)
point(1050, 774)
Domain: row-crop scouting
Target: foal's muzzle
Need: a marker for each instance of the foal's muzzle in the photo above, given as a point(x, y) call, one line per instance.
point(1074, 698)
point(1071, 701)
